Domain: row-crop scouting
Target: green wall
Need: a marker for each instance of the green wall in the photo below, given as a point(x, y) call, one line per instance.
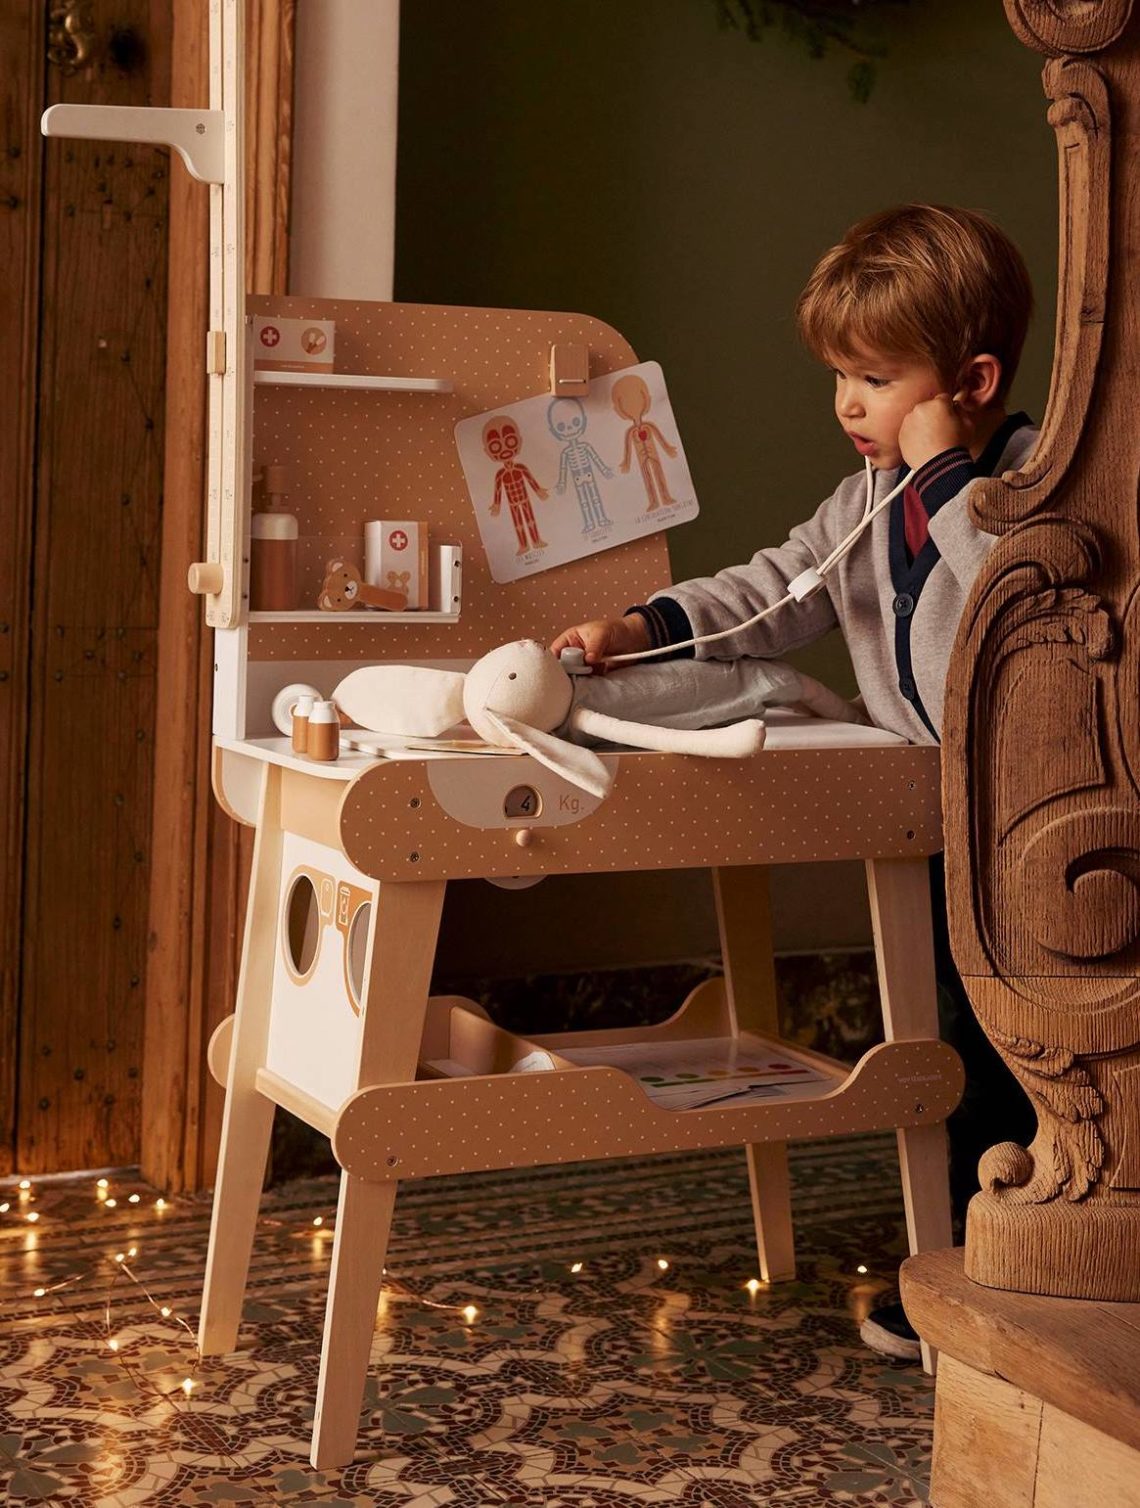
point(631, 159)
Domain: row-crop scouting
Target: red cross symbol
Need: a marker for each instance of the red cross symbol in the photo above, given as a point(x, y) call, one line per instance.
point(270, 336)
point(398, 539)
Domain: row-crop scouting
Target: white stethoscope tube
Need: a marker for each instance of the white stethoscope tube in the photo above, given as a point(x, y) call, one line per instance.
point(799, 587)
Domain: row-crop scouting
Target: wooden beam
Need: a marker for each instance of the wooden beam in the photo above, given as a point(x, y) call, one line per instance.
point(201, 871)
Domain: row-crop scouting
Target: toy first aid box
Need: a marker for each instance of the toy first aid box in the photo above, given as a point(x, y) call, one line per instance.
point(396, 556)
point(293, 345)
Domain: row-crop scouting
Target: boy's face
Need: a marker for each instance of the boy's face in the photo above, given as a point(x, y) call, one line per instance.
point(874, 394)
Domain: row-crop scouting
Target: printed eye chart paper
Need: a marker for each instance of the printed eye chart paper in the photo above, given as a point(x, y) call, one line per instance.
point(688, 1075)
point(553, 479)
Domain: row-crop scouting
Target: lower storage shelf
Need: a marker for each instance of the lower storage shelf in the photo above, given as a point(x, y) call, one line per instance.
point(490, 1099)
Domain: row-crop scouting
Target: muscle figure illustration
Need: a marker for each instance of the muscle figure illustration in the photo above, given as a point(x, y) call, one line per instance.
point(630, 397)
point(502, 442)
point(579, 461)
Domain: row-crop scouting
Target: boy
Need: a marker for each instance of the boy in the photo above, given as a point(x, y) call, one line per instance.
point(921, 311)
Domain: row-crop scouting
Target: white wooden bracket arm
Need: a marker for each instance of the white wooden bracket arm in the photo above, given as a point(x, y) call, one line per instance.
point(198, 136)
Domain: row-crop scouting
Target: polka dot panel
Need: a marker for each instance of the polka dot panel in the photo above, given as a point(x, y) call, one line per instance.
point(357, 455)
point(665, 811)
point(578, 1114)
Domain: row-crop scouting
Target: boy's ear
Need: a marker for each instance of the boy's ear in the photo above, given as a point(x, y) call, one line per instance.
point(979, 382)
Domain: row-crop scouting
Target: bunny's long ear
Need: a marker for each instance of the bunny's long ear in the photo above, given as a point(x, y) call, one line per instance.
point(736, 741)
point(579, 766)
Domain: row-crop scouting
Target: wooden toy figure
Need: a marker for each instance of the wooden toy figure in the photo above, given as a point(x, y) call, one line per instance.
point(502, 442)
point(630, 397)
point(567, 420)
point(343, 589)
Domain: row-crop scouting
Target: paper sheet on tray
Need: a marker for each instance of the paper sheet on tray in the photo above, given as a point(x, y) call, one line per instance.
point(407, 746)
point(711, 1071)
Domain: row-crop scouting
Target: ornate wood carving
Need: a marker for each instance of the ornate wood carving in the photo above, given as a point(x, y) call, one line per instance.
point(1041, 780)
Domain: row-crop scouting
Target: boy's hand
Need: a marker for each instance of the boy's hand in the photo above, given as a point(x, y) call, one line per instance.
point(932, 427)
point(605, 636)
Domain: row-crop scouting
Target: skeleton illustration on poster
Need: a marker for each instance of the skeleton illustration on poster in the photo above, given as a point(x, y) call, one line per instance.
point(553, 479)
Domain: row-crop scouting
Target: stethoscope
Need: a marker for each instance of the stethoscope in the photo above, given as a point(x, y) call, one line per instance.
point(799, 588)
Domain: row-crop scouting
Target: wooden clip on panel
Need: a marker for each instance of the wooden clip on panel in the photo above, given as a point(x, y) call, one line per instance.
point(570, 371)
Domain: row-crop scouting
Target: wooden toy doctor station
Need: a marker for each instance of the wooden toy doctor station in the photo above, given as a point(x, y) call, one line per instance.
point(353, 855)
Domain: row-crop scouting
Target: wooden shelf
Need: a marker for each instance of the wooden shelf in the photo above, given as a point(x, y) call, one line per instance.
point(354, 380)
point(315, 615)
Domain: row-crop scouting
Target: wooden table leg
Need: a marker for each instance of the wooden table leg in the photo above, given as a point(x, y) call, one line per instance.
point(899, 892)
point(397, 974)
point(247, 1121)
point(363, 1225)
point(744, 920)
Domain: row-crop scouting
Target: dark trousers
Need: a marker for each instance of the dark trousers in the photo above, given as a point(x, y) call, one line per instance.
point(994, 1106)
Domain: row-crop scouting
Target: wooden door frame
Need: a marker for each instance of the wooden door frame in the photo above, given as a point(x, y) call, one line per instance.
point(200, 869)
point(22, 30)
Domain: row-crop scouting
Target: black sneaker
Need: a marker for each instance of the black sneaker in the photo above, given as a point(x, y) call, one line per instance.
point(888, 1331)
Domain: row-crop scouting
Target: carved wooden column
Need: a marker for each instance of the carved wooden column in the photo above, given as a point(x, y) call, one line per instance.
point(1042, 722)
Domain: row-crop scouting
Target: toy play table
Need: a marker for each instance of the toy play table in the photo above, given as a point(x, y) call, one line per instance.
point(341, 1031)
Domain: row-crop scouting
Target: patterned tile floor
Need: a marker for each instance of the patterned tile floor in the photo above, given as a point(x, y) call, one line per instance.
point(623, 1384)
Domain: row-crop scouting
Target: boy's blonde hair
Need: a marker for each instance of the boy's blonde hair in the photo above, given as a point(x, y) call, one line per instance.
point(921, 280)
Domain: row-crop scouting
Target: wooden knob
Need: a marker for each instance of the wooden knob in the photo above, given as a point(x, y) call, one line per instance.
point(524, 837)
point(206, 577)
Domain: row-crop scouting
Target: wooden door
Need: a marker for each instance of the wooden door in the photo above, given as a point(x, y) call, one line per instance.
point(104, 668)
point(83, 523)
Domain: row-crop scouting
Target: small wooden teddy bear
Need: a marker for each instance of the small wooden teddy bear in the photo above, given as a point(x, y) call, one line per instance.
point(343, 589)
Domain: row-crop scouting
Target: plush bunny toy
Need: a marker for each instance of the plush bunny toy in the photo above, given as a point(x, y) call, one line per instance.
point(520, 695)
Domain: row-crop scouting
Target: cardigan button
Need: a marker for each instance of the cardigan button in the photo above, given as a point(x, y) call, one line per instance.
point(903, 605)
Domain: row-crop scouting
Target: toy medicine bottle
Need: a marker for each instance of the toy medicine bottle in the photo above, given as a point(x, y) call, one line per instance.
point(273, 550)
point(302, 711)
point(324, 731)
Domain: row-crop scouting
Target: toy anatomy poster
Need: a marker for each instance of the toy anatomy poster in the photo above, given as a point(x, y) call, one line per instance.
point(553, 479)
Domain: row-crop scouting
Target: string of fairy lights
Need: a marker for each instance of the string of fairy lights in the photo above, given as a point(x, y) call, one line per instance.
point(119, 1263)
point(120, 1266)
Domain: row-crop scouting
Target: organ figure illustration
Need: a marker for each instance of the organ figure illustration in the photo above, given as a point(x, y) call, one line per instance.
point(642, 439)
point(578, 462)
point(502, 442)
point(578, 450)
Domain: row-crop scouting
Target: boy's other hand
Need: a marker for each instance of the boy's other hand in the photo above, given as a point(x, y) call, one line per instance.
point(931, 427)
point(604, 636)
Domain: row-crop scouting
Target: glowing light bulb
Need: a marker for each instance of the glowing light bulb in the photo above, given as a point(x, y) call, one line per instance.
point(160, 1204)
point(165, 1311)
point(188, 1385)
point(576, 1267)
point(25, 1183)
point(133, 1199)
point(5, 1207)
point(661, 1262)
point(861, 1268)
point(469, 1313)
point(101, 1183)
point(39, 1293)
point(109, 1204)
point(753, 1285)
point(112, 1345)
point(132, 1251)
point(32, 1217)
point(318, 1221)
